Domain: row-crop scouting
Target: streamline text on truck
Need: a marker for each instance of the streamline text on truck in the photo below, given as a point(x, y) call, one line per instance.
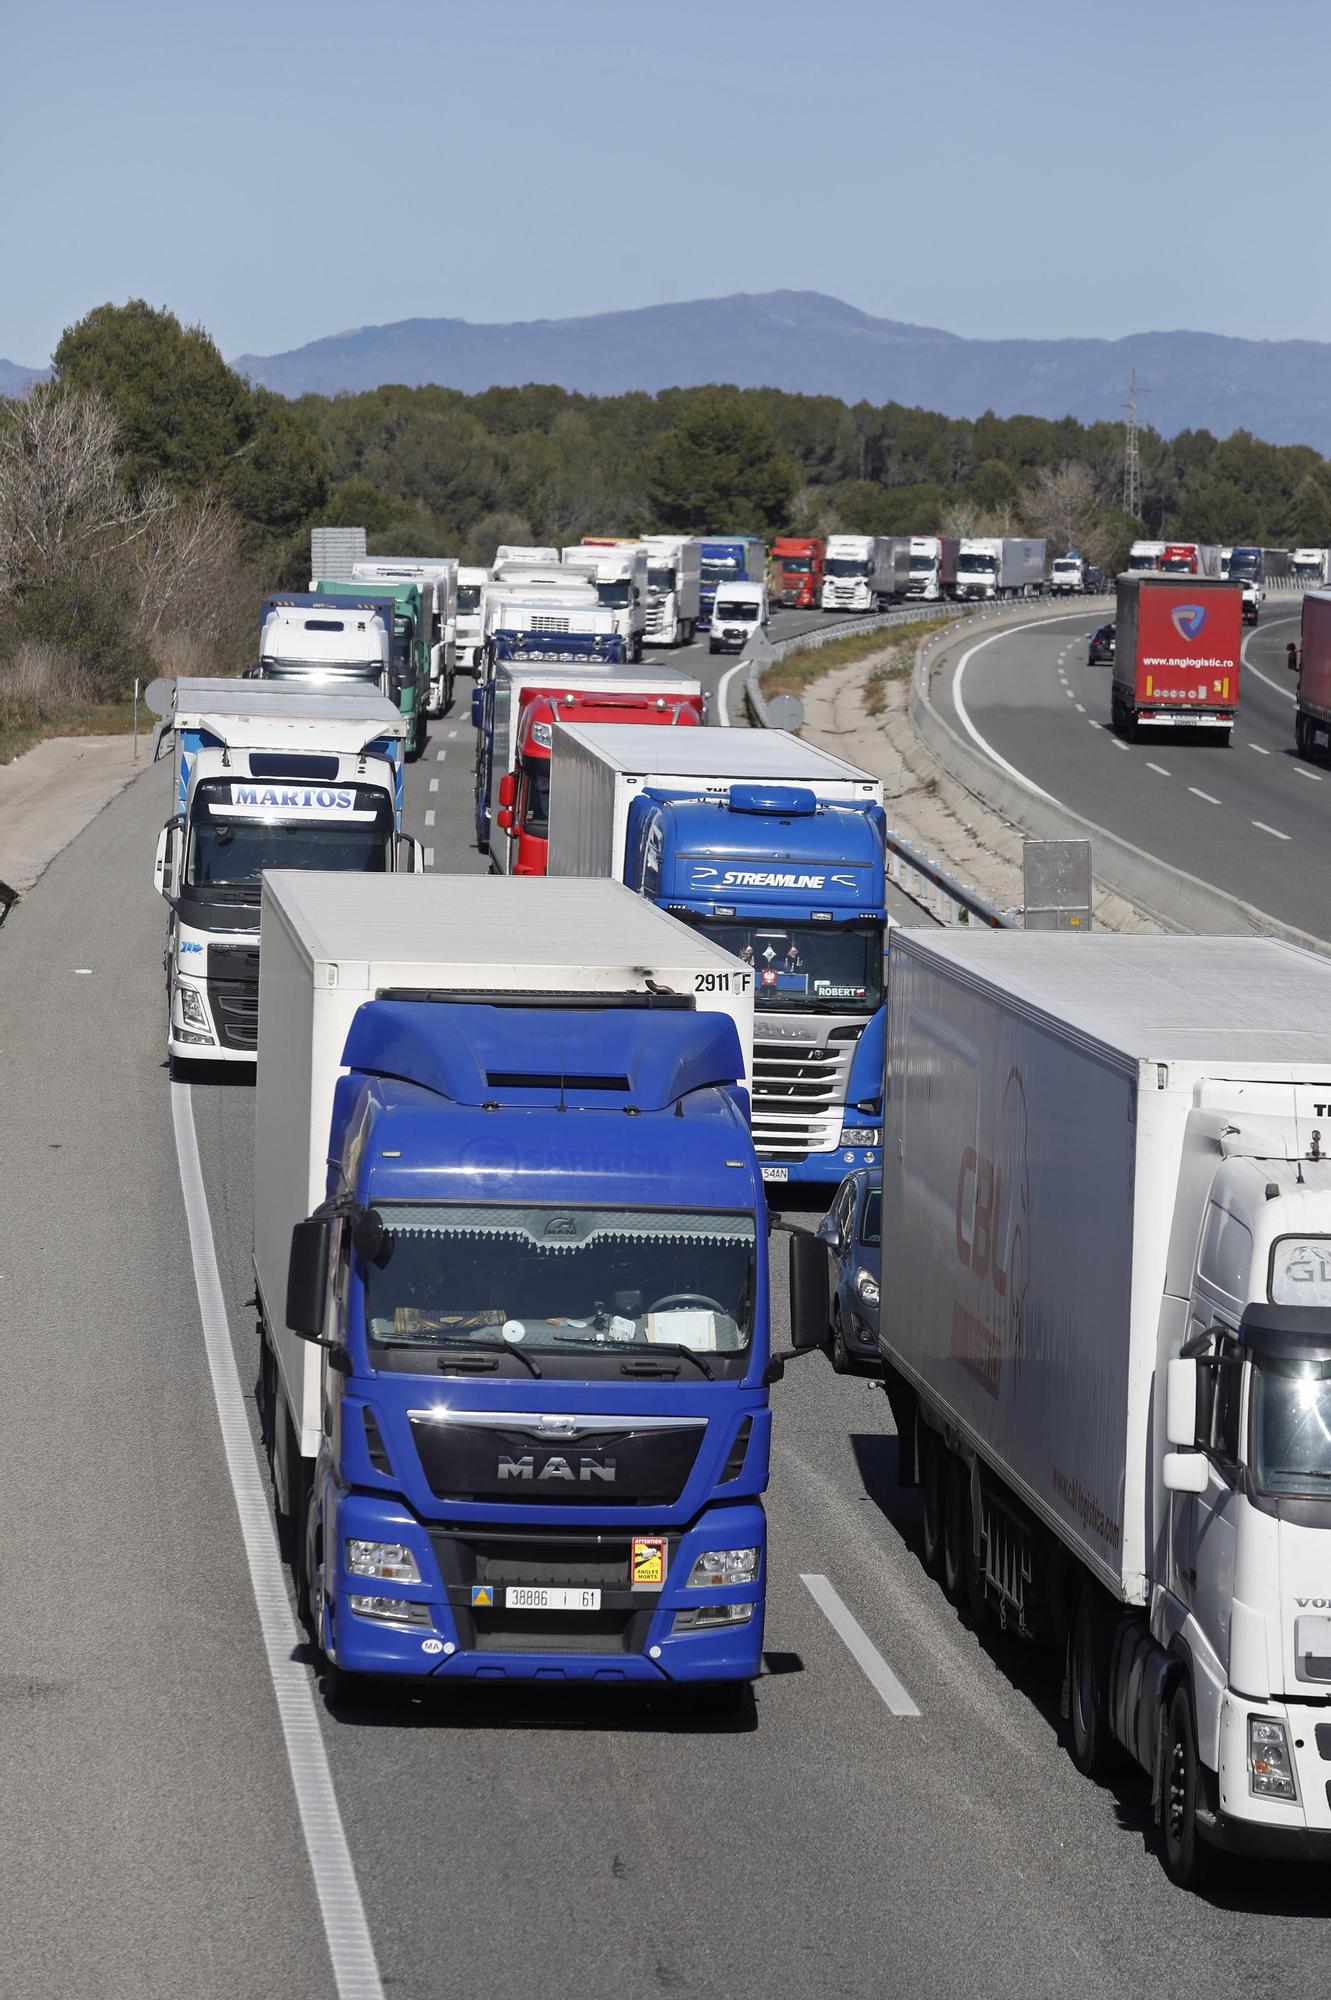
point(1312, 712)
point(1177, 653)
point(674, 581)
point(933, 567)
point(511, 1253)
point(524, 791)
point(727, 559)
point(774, 849)
point(865, 572)
point(797, 572)
point(993, 566)
point(265, 777)
point(1106, 1330)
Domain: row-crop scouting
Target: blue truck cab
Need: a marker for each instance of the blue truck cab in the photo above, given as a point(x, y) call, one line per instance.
point(727, 559)
point(540, 1278)
point(583, 641)
point(796, 888)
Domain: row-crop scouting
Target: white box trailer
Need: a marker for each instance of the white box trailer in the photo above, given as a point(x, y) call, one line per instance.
point(599, 771)
point(865, 572)
point(674, 580)
point(437, 578)
point(1107, 1230)
point(332, 942)
point(997, 566)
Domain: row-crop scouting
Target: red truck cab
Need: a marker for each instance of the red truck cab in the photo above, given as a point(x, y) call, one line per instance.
point(797, 571)
point(524, 792)
point(1177, 649)
point(1179, 558)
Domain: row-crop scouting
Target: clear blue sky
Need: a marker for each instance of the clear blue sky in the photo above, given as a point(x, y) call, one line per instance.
point(1030, 168)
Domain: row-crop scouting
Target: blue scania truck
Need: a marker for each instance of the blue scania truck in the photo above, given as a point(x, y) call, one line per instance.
point(511, 1253)
point(774, 849)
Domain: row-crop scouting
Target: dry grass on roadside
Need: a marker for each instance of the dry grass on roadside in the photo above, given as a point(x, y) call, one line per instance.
point(793, 674)
point(44, 692)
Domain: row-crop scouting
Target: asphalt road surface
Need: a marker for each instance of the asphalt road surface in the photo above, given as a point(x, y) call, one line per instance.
point(1252, 819)
point(830, 1842)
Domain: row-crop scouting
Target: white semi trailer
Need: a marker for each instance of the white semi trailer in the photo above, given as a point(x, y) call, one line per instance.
point(1106, 1331)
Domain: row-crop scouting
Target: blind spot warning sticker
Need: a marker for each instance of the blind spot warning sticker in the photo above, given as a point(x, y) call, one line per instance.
point(647, 1562)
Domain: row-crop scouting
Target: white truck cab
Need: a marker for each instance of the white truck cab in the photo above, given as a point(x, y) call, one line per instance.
point(739, 614)
point(619, 572)
point(324, 646)
point(1067, 578)
point(265, 777)
point(674, 579)
point(471, 581)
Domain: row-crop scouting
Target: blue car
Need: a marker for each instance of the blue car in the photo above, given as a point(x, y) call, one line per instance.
point(852, 1231)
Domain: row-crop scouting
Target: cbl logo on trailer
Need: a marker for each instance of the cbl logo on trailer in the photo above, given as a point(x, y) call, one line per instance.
point(1188, 620)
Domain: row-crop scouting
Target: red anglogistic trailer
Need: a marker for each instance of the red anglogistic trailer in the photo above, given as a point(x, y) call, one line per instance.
point(1177, 650)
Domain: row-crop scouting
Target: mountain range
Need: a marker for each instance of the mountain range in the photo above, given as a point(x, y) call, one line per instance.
point(807, 342)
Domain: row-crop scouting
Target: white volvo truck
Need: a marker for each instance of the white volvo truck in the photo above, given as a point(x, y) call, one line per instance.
point(265, 777)
point(1106, 1329)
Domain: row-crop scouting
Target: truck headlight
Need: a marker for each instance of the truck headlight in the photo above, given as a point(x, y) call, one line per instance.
point(858, 1135)
point(192, 1010)
point(724, 1566)
point(393, 1561)
point(866, 1285)
point(1270, 1774)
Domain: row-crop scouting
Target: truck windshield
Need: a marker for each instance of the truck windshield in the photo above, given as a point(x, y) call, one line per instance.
point(805, 968)
point(1291, 1426)
point(536, 808)
point(661, 579)
point(469, 597)
point(742, 612)
point(356, 673)
point(617, 595)
point(847, 566)
point(606, 1282)
point(1141, 562)
point(1066, 568)
point(918, 563)
point(976, 565)
point(232, 839)
point(796, 565)
point(1177, 565)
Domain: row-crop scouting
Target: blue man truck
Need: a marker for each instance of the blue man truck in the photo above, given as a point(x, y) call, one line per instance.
point(727, 559)
point(266, 776)
point(774, 849)
point(511, 1259)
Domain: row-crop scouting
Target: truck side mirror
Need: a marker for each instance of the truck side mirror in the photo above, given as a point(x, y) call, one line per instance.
point(1181, 1404)
point(166, 865)
point(410, 855)
point(1185, 1472)
point(808, 1292)
point(508, 791)
point(504, 819)
point(477, 708)
point(307, 1276)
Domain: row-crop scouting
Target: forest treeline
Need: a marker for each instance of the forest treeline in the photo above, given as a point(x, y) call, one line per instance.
point(148, 492)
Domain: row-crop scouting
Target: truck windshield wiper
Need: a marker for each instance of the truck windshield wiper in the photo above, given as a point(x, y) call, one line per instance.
point(673, 1347)
point(491, 1347)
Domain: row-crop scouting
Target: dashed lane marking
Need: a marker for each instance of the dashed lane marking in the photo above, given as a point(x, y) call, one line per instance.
point(1274, 831)
point(429, 817)
point(439, 756)
point(1158, 767)
point(1260, 748)
point(1299, 772)
point(1210, 800)
point(434, 784)
point(1081, 708)
point(860, 1646)
point(429, 857)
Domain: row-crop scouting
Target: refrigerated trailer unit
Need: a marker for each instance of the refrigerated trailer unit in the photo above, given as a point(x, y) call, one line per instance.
point(1106, 1329)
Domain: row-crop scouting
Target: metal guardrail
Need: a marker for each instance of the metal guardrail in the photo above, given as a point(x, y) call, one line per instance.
point(948, 900)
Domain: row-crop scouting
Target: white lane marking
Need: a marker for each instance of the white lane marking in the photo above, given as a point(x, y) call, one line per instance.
point(1203, 795)
point(1299, 772)
point(1115, 741)
point(452, 733)
point(859, 1645)
point(1158, 767)
point(1081, 708)
point(723, 694)
point(963, 714)
point(1248, 666)
point(355, 1969)
point(429, 857)
point(1262, 827)
point(1070, 694)
point(429, 817)
point(1095, 724)
point(1260, 748)
point(434, 784)
point(439, 756)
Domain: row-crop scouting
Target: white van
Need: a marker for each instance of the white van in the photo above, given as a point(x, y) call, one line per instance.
point(740, 611)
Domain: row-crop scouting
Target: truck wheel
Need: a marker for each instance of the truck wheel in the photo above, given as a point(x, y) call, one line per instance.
point(956, 1528)
point(931, 1494)
point(1186, 1857)
point(1088, 1686)
point(1226, 738)
point(1303, 737)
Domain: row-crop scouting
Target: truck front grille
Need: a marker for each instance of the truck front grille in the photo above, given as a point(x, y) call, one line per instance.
point(233, 994)
point(841, 594)
point(799, 1094)
point(497, 1559)
point(656, 618)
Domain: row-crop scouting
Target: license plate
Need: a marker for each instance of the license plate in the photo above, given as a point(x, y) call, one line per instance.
point(776, 1173)
point(542, 1597)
